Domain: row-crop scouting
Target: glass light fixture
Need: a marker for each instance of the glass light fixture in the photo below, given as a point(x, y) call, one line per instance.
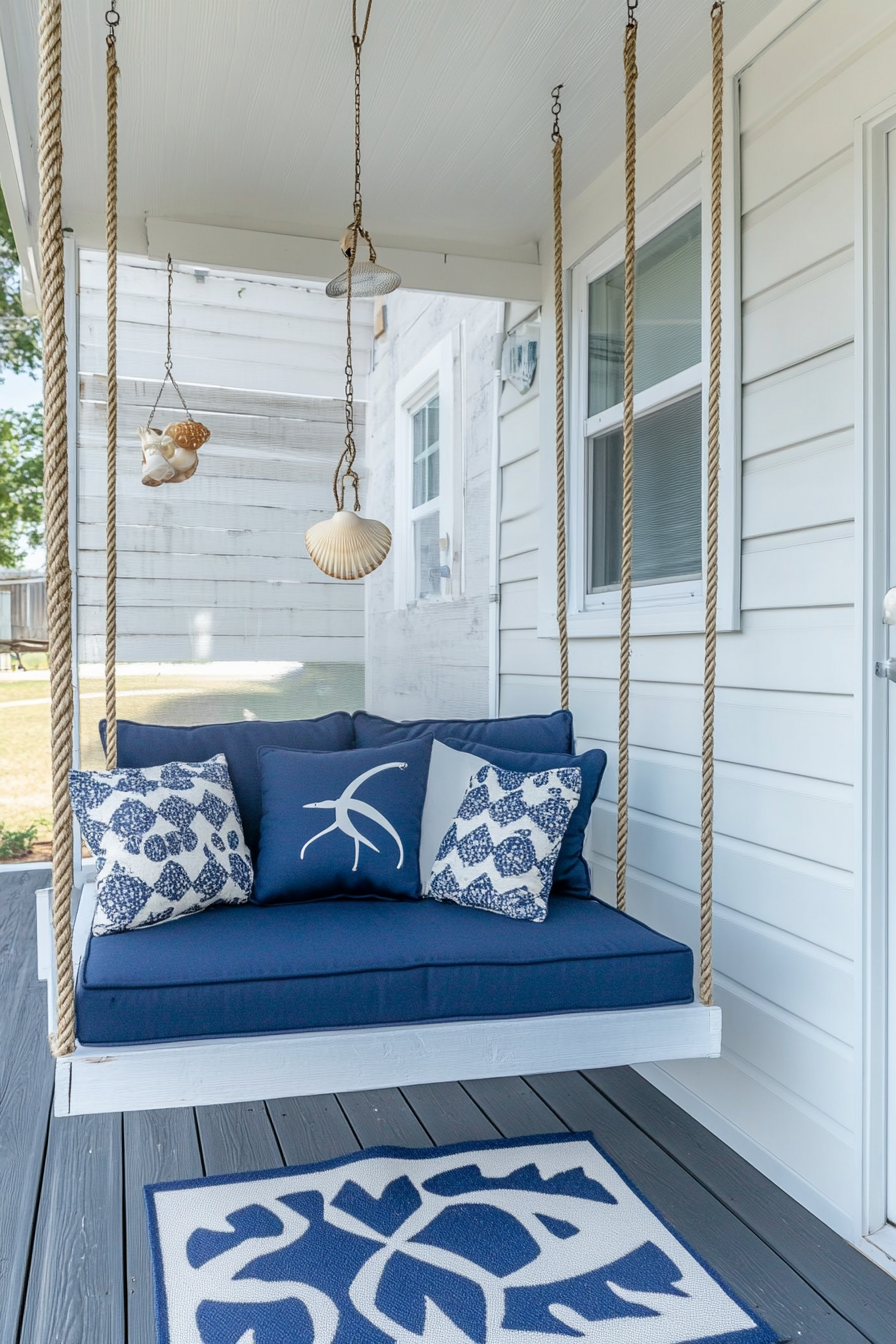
point(369, 279)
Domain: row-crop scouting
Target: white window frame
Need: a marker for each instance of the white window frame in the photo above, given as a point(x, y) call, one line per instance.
point(657, 608)
point(434, 374)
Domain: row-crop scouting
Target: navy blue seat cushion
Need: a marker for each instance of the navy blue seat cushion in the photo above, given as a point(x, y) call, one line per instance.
point(341, 823)
point(571, 874)
point(143, 744)
point(250, 969)
point(530, 732)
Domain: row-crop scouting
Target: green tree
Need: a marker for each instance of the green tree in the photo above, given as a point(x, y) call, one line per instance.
point(21, 484)
point(21, 433)
point(20, 349)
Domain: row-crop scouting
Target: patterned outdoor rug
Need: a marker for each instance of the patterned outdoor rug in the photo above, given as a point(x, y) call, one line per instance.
point(523, 1241)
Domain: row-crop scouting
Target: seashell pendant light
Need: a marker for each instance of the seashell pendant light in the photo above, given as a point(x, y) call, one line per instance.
point(348, 546)
point(171, 455)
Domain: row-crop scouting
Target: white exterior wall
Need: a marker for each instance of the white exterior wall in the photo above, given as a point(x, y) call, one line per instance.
point(431, 658)
point(216, 567)
point(787, 1092)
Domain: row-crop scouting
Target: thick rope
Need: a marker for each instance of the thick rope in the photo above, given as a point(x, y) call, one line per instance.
point(111, 392)
point(628, 458)
point(712, 511)
point(59, 579)
point(561, 424)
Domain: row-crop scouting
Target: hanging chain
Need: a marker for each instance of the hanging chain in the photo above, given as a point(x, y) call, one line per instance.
point(632, 6)
point(169, 365)
point(345, 467)
point(556, 110)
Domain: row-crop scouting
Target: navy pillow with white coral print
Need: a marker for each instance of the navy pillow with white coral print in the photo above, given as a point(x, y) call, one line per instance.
point(341, 823)
point(168, 841)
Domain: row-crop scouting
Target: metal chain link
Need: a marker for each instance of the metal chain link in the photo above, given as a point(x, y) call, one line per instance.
point(345, 467)
point(169, 365)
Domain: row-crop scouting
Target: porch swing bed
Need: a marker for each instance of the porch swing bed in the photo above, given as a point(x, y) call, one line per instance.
point(345, 994)
point(353, 992)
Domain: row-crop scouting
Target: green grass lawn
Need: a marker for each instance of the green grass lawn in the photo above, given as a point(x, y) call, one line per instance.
point(176, 696)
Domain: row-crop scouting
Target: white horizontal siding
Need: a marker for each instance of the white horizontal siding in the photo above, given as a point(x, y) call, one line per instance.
point(215, 567)
point(785, 725)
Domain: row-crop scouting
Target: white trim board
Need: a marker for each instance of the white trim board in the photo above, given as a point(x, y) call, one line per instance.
point(250, 1068)
point(319, 259)
point(748, 1148)
point(871, 693)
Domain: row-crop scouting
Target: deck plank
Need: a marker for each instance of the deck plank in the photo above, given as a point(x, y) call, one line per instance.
point(158, 1146)
point(26, 1088)
point(838, 1272)
point(237, 1138)
point(752, 1269)
point(383, 1117)
point(76, 1284)
point(311, 1129)
point(448, 1113)
point(513, 1107)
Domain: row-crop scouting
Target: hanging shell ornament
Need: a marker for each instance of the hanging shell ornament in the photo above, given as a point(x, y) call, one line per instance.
point(189, 434)
point(348, 546)
point(156, 447)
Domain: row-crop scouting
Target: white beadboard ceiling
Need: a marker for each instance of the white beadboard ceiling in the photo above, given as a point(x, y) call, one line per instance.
point(239, 112)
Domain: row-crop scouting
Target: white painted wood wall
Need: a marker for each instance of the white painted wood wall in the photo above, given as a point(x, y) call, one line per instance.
point(427, 659)
point(216, 567)
point(786, 1091)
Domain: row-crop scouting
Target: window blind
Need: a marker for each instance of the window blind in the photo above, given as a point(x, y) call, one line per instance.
point(667, 540)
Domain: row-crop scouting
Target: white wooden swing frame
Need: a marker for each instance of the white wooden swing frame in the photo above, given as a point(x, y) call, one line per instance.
point(207, 1071)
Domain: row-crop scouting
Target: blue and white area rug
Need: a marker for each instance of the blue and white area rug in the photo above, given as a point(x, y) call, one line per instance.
point(523, 1241)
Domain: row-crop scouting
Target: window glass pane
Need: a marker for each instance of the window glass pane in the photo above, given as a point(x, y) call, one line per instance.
point(667, 315)
point(666, 542)
point(427, 576)
point(426, 453)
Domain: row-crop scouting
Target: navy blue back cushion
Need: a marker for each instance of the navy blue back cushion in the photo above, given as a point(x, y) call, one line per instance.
point(142, 744)
point(341, 823)
point(530, 732)
point(571, 875)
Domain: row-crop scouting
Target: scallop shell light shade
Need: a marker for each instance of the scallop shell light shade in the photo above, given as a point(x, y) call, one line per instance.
point(188, 434)
point(348, 546)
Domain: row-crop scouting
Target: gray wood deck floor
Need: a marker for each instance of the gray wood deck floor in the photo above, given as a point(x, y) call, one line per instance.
point(74, 1256)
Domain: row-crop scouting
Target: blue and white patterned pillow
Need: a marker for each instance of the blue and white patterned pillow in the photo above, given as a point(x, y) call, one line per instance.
point(499, 852)
point(168, 841)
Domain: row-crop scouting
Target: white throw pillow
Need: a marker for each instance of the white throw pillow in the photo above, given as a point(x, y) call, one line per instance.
point(500, 851)
point(168, 841)
point(450, 773)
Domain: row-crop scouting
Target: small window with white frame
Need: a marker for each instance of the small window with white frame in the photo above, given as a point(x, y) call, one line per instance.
point(425, 502)
point(667, 532)
point(670, 375)
point(426, 479)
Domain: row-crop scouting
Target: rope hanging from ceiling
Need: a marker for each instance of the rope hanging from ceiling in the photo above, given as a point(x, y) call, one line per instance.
point(712, 504)
point(56, 508)
point(112, 18)
point(630, 65)
point(712, 481)
point(560, 397)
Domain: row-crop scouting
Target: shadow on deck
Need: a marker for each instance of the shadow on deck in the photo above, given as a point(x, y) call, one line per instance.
point(74, 1254)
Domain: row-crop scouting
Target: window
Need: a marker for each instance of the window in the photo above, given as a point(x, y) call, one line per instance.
point(668, 451)
point(427, 555)
point(428, 567)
